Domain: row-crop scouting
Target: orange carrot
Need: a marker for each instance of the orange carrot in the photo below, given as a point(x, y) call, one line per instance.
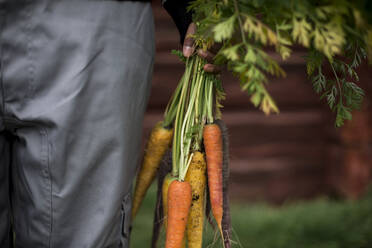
point(159, 141)
point(212, 137)
point(165, 190)
point(179, 202)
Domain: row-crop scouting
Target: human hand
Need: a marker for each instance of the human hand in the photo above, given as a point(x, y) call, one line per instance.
point(189, 48)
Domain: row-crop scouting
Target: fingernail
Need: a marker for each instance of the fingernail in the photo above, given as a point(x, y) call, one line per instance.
point(187, 51)
point(208, 68)
point(212, 68)
point(202, 53)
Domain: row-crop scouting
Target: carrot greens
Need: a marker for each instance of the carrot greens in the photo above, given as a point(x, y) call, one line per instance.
point(195, 108)
point(336, 34)
point(253, 34)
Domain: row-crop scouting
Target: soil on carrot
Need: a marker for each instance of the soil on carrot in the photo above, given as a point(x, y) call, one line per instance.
point(320, 223)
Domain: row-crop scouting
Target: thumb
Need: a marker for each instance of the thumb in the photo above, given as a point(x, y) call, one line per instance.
point(188, 44)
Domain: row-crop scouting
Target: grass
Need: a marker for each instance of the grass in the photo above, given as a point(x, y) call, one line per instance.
point(320, 223)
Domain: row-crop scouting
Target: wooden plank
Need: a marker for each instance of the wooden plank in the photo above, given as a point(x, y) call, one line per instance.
point(296, 180)
point(267, 166)
point(306, 150)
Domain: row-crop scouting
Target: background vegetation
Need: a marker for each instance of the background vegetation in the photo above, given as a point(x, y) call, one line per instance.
point(320, 223)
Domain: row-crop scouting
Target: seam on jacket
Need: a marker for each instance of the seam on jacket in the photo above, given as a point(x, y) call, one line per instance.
point(45, 171)
point(45, 163)
point(51, 187)
point(30, 56)
point(42, 130)
point(47, 176)
point(2, 25)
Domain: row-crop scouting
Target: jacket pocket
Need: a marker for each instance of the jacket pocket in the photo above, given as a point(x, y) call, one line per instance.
point(126, 206)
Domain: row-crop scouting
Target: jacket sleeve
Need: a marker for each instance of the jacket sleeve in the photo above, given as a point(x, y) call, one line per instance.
point(177, 9)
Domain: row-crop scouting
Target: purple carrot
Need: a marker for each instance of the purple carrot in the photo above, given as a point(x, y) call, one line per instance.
point(164, 168)
point(226, 218)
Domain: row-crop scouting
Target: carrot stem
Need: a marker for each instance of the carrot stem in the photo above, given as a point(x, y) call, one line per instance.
point(171, 109)
point(191, 114)
point(185, 82)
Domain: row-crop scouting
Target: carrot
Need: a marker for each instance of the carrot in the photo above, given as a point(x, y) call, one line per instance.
point(164, 169)
point(167, 181)
point(197, 179)
point(179, 202)
point(208, 209)
point(226, 218)
point(213, 148)
point(159, 141)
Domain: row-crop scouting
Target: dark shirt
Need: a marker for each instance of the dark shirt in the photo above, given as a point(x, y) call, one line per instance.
point(177, 9)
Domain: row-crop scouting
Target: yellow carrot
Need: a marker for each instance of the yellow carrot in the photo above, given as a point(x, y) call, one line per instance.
point(197, 179)
point(159, 141)
point(167, 180)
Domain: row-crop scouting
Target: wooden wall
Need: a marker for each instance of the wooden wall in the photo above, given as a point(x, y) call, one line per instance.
point(296, 154)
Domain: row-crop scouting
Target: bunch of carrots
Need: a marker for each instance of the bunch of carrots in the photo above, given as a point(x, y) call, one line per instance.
point(197, 183)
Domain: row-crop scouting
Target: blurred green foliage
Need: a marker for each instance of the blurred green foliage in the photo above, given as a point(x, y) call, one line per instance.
point(320, 223)
point(336, 33)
